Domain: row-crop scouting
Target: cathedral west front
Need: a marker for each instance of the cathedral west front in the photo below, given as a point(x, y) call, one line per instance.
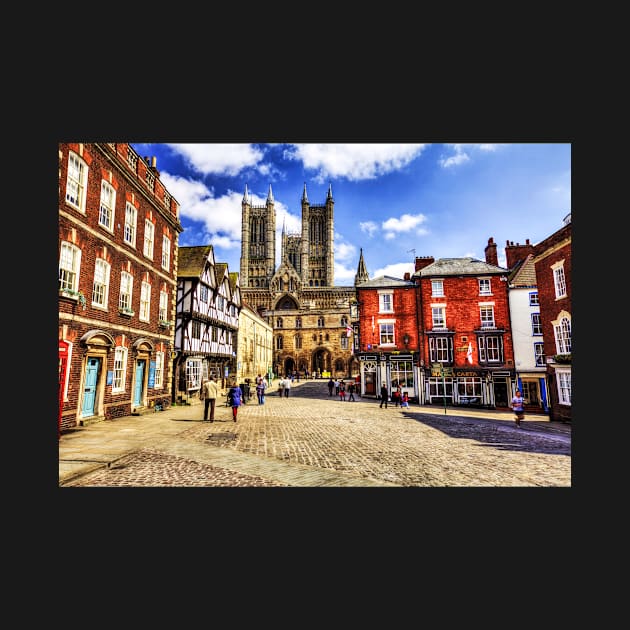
point(310, 317)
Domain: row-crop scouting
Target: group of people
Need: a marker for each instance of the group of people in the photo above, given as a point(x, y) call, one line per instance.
point(284, 386)
point(209, 392)
point(398, 396)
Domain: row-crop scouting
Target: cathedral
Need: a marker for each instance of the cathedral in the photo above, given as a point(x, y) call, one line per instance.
point(310, 317)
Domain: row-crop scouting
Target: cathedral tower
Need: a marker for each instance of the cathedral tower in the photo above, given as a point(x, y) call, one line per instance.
point(258, 242)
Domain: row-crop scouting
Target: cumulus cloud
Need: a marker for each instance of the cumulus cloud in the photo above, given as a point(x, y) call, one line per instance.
point(221, 159)
point(406, 224)
point(462, 153)
point(355, 162)
point(369, 227)
point(395, 270)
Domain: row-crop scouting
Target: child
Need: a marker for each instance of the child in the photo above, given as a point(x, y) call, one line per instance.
point(405, 400)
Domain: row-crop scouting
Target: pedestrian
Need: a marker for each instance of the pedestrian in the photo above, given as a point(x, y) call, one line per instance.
point(331, 386)
point(517, 406)
point(336, 387)
point(351, 392)
point(384, 395)
point(236, 396)
point(342, 391)
point(287, 387)
point(261, 386)
point(209, 392)
point(404, 401)
point(281, 385)
point(397, 395)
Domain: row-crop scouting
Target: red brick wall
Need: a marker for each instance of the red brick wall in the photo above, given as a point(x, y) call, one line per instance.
point(95, 241)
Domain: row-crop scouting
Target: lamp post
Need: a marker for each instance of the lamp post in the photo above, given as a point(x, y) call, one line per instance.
point(444, 386)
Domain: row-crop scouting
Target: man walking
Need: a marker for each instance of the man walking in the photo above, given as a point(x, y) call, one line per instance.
point(384, 395)
point(210, 391)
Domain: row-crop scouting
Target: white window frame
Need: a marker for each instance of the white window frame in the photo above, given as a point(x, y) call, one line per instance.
point(437, 288)
point(144, 313)
point(107, 206)
point(159, 370)
point(76, 182)
point(163, 307)
point(485, 286)
point(100, 286)
point(559, 280)
point(149, 239)
point(539, 354)
point(563, 385)
point(125, 297)
point(131, 224)
point(486, 316)
point(438, 316)
point(385, 301)
point(69, 267)
point(166, 252)
point(562, 333)
point(386, 333)
point(194, 371)
point(120, 370)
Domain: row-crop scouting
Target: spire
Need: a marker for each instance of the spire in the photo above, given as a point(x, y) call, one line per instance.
point(329, 195)
point(362, 274)
point(245, 195)
point(270, 195)
point(304, 197)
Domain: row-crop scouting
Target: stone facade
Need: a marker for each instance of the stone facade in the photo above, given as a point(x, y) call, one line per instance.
point(308, 314)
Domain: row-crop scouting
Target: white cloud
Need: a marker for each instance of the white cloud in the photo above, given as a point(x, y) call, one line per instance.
point(395, 270)
point(368, 226)
point(221, 159)
point(463, 150)
point(406, 224)
point(354, 161)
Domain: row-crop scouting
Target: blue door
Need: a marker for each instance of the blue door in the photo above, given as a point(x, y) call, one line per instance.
point(137, 392)
point(89, 390)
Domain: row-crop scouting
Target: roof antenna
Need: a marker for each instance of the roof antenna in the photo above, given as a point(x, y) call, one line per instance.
point(409, 251)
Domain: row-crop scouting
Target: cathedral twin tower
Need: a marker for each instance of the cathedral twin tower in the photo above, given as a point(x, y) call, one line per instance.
point(310, 254)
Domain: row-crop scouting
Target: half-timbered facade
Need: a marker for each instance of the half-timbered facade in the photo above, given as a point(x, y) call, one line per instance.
point(206, 325)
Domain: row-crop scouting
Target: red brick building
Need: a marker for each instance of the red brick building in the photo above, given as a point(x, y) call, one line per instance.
point(388, 335)
point(552, 260)
point(466, 355)
point(118, 237)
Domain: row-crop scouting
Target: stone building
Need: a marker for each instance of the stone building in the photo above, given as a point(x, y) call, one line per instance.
point(310, 317)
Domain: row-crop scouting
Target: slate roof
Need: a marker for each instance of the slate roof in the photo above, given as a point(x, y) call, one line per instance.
point(385, 281)
point(524, 274)
point(458, 267)
point(192, 260)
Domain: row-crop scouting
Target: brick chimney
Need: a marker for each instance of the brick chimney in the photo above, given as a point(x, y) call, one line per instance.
point(407, 276)
point(517, 252)
point(491, 253)
point(423, 261)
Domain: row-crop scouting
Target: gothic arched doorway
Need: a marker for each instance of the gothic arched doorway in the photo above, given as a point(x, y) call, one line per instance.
point(289, 366)
point(321, 362)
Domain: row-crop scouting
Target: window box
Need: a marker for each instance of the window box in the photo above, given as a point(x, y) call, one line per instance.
point(165, 324)
point(77, 296)
point(562, 358)
point(127, 312)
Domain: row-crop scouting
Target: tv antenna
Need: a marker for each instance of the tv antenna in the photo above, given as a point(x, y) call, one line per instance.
point(411, 251)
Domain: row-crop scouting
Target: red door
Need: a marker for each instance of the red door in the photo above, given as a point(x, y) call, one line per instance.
point(63, 375)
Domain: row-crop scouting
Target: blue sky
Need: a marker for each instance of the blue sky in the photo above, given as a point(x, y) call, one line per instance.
point(396, 201)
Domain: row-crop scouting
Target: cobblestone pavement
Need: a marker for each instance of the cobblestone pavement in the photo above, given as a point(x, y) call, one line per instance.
point(311, 439)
